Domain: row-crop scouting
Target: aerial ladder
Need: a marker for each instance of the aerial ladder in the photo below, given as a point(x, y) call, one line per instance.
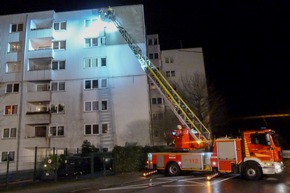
point(197, 130)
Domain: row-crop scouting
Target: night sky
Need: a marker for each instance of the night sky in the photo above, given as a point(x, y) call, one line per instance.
point(246, 44)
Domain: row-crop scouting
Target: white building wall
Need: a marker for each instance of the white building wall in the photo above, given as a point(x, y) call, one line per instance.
point(127, 112)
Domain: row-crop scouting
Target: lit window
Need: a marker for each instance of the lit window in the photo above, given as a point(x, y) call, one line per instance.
point(92, 129)
point(59, 26)
point(8, 155)
point(16, 27)
point(12, 88)
point(12, 67)
point(10, 109)
point(14, 47)
point(59, 45)
point(9, 132)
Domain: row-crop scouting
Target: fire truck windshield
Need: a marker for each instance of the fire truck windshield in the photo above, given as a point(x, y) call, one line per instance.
point(275, 138)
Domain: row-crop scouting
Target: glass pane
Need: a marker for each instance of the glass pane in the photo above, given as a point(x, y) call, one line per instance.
point(6, 133)
point(95, 83)
point(104, 128)
point(16, 88)
point(54, 65)
point(60, 131)
point(62, 86)
point(88, 129)
point(95, 129)
point(63, 26)
point(61, 65)
point(88, 84)
point(87, 106)
point(54, 86)
point(20, 27)
point(94, 41)
point(9, 88)
point(95, 105)
point(13, 132)
point(56, 26)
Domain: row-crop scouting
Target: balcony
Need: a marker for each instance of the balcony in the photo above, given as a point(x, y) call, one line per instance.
point(38, 69)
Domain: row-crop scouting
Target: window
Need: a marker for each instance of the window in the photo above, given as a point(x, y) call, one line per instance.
point(58, 65)
point(8, 155)
point(105, 128)
point(90, 22)
point(40, 131)
point(170, 73)
point(11, 88)
point(59, 45)
point(92, 42)
point(103, 61)
point(168, 60)
point(104, 105)
point(260, 139)
point(153, 56)
point(12, 67)
point(91, 106)
point(56, 131)
point(91, 62)
point(42, 87)
point(10, 109)
point(9, 132)
point(156, 101)
point(152, 41)
point(59, 26)
point(14, 47)
point(57, 108)
point(92, 129)
point(16, 27)
point(58, 86)
point(91, 84)
point(104, 83)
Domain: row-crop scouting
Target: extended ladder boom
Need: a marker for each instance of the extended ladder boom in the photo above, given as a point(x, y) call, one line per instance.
point(185, 115)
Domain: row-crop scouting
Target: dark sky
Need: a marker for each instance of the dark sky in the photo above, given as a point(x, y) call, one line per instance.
point(246, 43)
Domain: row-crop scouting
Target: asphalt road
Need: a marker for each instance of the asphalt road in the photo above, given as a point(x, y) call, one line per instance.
point(198, 183)
point(135, 182)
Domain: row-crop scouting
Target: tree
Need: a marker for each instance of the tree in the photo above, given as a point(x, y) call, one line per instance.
point(88, 148)
point(205, 100)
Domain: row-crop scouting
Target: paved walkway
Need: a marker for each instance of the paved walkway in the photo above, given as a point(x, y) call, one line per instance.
point(74, 185)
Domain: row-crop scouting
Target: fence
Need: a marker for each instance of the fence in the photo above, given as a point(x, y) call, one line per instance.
point(51, 163)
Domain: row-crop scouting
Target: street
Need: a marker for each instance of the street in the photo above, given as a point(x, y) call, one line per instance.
point(199, 183)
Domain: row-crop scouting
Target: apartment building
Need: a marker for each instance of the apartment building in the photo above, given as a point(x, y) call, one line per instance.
point(67, 77)
point(175, 65)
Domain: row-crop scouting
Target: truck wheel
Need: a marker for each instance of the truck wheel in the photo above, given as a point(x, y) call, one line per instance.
point(251, 171)
point(173, 169)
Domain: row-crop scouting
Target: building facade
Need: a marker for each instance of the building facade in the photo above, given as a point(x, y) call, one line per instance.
point(175, 65)
point(67, 77)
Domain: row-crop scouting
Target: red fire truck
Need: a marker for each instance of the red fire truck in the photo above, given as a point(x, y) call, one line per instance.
point(255, 153)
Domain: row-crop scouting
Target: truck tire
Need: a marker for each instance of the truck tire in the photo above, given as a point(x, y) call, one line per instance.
point(251, 171)
point(173, 169)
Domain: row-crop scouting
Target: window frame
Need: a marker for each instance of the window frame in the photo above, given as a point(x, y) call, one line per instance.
point(12, 132)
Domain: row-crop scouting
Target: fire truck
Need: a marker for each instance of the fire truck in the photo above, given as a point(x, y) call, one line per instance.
point(253, 154)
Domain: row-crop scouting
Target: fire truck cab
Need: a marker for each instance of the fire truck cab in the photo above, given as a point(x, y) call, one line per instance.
point(255, 153)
